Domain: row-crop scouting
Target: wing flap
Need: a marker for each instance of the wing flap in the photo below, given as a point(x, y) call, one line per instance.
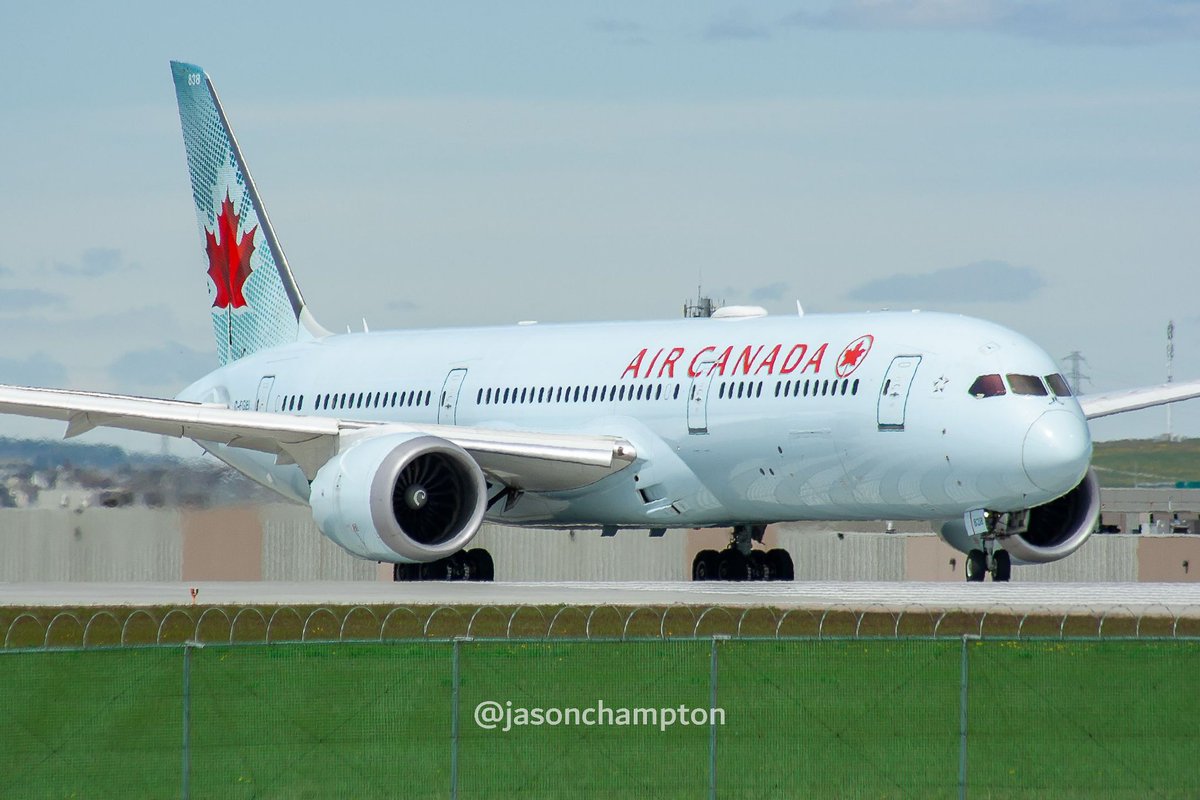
point(528, 460)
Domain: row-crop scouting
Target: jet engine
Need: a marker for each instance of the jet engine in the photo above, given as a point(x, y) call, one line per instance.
point(400, 498)
point(1044, 533)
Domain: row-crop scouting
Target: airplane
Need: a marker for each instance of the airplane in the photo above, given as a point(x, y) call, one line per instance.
point(404, 442)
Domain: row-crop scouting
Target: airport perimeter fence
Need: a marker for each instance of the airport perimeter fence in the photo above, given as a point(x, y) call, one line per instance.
point(665, 718)
point(51, 627)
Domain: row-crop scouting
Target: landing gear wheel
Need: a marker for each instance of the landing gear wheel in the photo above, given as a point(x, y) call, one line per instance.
point(760, 566)
point(976, 566)
point(704, 565)
point(1002, 570)
point(465, 565)
point(782, 568)
point(480, 566)
point(732, 566)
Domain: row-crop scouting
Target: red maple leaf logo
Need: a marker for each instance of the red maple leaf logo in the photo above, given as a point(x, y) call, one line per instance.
point(229, 259)
point(854, 354)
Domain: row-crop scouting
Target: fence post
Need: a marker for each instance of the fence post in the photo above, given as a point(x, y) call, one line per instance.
point(454, 721)
point(712, 721)
point(185, 789)
point(962, 718)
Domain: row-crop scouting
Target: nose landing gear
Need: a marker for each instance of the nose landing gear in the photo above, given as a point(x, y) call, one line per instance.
point(980, 562)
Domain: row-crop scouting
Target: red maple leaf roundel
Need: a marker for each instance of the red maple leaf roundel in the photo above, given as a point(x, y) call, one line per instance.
point(853, 355)
point(229, 258)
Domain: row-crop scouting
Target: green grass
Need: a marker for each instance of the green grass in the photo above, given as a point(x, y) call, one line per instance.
point(804, 718)
point(1146, 462)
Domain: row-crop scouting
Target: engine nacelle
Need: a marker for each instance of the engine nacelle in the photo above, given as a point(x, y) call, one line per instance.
point(1049, 532)
point(400, 498)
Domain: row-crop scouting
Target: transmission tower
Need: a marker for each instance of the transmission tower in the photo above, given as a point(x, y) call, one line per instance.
point(1075, 376)
point(1170, 367)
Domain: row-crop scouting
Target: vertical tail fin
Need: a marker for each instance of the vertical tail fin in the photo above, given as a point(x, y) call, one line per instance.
point(256, 303)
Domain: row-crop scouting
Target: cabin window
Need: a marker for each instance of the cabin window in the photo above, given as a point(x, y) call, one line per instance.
point(1058, 385)
point(1027, 384)
point(658, 392)
point(854, 387)
point(677, 391)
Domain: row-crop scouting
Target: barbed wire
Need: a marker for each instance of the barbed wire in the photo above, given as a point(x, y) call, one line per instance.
point(215, 624)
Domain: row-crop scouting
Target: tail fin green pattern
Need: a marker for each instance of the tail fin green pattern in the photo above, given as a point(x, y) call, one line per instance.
point(256, 303)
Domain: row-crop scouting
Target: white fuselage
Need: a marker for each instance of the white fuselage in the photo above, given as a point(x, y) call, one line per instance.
point(751, 420)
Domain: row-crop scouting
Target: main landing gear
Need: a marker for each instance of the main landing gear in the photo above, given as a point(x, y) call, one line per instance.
point(981, 562)
point(740, 562)
point(465, 565)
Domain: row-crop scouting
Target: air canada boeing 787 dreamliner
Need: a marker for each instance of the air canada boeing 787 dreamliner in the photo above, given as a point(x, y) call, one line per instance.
point(404, 442)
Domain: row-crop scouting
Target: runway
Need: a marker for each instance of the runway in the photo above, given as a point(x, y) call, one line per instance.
point(1166, 599)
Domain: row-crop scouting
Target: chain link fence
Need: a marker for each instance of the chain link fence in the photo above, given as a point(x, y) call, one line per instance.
point(649, 717)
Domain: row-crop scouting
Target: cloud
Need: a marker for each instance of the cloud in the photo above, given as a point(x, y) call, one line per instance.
point(4, 271)
point(736, 26)
point(621, 30)
point(981, 281)
point(171, 365)
point(403, 306)
point(17, 300)
point(770, 292)
point(1112, 22)
point(38, 369)
point(94, 262)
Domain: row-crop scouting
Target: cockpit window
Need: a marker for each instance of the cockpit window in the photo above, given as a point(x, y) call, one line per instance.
point(1027, 384)
point(1058, 385)
point(987, 386)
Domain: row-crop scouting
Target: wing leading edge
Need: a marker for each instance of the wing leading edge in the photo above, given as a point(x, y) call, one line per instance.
point(1103, 405)
point(520, 459)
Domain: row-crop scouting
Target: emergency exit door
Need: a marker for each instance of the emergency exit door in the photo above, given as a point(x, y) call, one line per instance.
point(448, 403)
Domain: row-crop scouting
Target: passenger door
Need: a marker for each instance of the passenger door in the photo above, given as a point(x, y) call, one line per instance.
point(263, 399)
point(893, 397)
point(697, 404)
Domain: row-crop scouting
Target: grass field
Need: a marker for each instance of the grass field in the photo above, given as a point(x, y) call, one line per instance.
point(804, 718)
point(1146, 462)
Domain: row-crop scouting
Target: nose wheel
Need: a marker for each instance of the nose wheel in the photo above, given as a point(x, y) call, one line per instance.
point(997, 562)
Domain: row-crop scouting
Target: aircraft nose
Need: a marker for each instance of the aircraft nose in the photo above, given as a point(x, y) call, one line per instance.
point(1057, 450)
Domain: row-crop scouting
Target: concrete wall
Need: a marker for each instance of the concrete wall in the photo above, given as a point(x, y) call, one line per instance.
point(280, 542)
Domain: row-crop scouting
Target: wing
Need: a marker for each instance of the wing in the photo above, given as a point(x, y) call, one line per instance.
point(1102, 405)
point(520, 459)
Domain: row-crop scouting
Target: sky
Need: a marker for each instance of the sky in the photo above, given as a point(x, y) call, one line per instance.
point(1031, 162)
